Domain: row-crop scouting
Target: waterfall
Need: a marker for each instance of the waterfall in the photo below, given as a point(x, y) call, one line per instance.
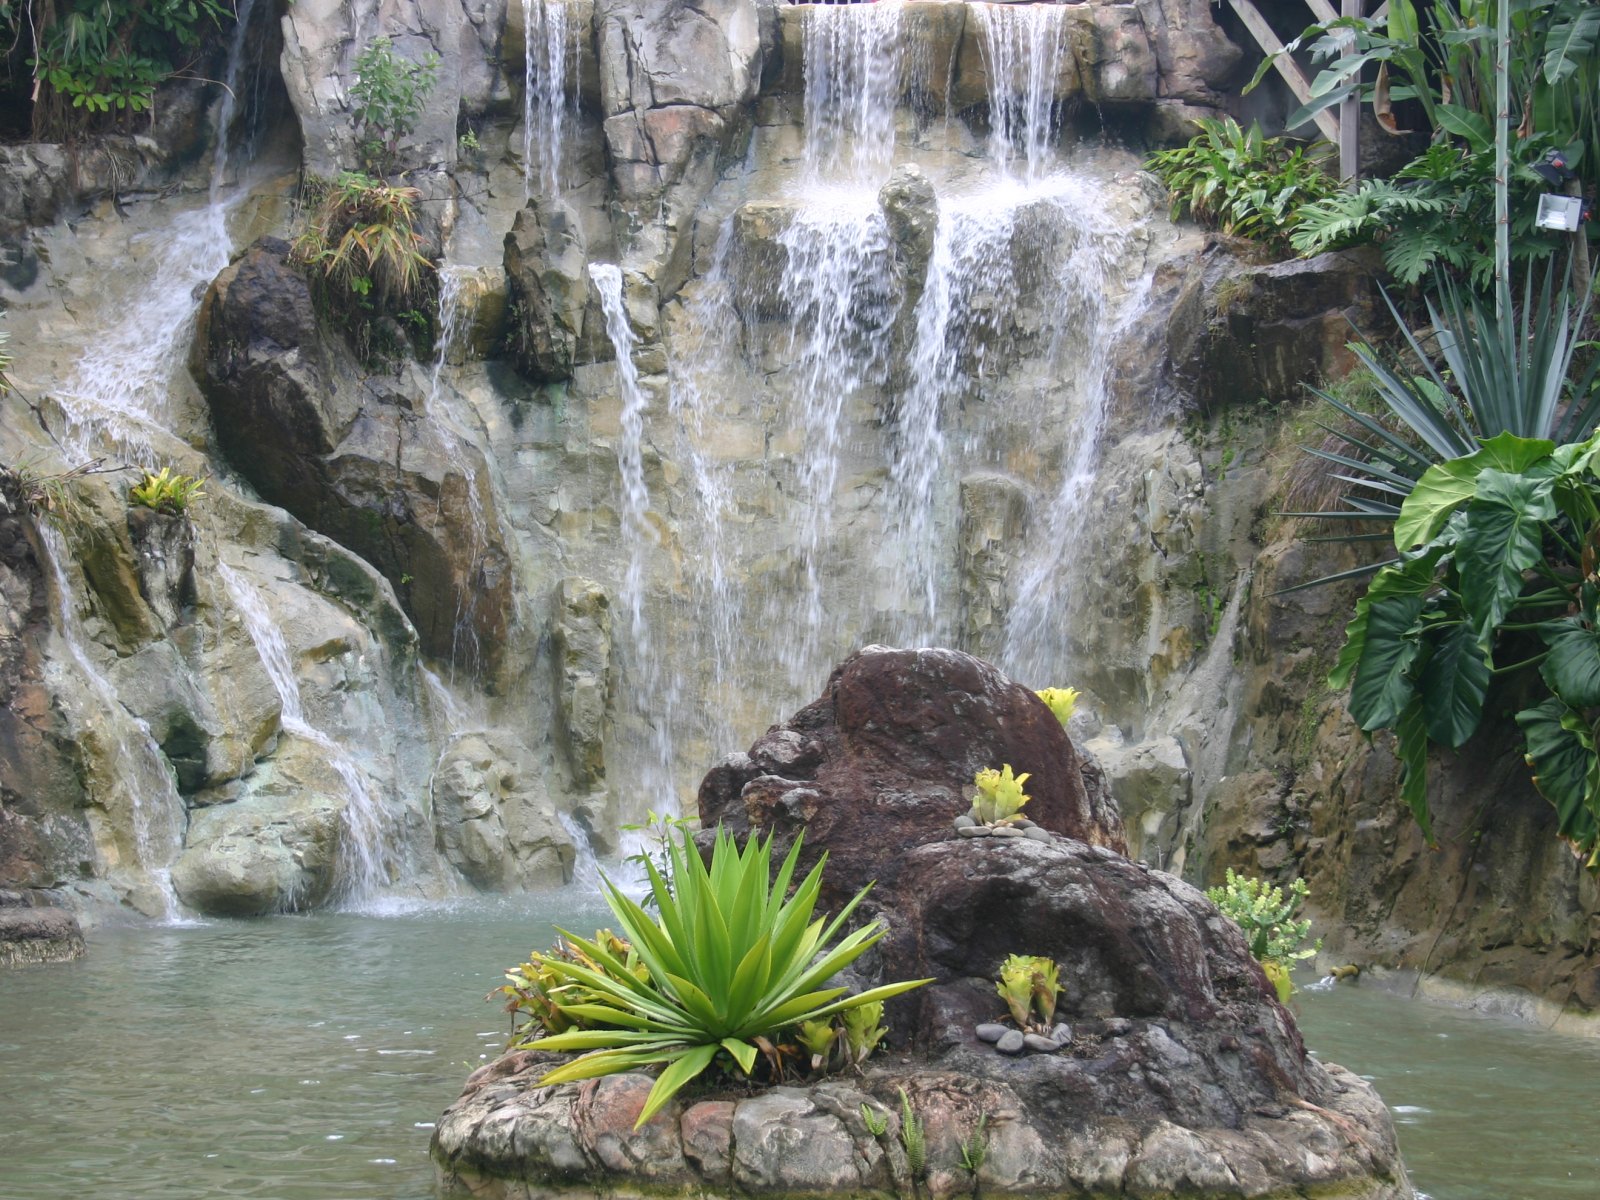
point(853, 63)
point(838, 291)
point(544, 91)
point(453, 323)
point(692, 404)
point(654, 689)
point(131, 774)
point(367, 859)
point(1022, 46)
point(116, 397)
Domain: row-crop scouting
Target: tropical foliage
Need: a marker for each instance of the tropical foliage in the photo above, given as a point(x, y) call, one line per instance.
point(104, 58)
point(1241, 181)
point(1484, 483)
point(165, 492)
point(732, 962)
point(1439, 210)
point(999, 798)
point(1267, 917)
point(364, 257)
point(389, 92)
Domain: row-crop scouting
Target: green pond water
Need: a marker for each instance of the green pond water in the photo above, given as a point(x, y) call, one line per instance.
point(305, 1058)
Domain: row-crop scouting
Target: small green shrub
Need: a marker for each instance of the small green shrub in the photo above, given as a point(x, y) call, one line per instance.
point(363, 254)
point(731, 962)
point(999, 798)
point(389, 92)
point(877, 1122)
point(536, 993)
point(913, 1137)
point(1242, 182)
point(165, 492)
point(1029, 984)
point(1063, 702)
point(1267, 918)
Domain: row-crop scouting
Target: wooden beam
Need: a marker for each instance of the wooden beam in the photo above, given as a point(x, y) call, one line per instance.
point(1350, 106)
point(1286, 66)
point(1322, 10)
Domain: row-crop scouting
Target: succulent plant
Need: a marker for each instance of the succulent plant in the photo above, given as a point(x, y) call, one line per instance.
point(1029, 984)
point(1061, 701)
point(818, 1036)
point(999, 798)
point(863, 1030)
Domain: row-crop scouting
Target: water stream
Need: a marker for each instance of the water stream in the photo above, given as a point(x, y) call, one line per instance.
point(132, 782)
point(544, 94)
point(367, 855)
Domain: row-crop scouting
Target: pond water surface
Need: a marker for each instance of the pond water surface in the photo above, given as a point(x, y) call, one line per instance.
point(305, 1058)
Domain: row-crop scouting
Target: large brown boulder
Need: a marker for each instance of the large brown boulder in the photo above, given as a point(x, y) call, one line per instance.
point(354, 457)
point(884, 759)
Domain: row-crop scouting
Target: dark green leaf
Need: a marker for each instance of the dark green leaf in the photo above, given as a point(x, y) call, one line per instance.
point(1562, 754)
point(1411, 747)
point(1382, 688)
point(1572, 668)
point(1452, 686)
point(1502, 539)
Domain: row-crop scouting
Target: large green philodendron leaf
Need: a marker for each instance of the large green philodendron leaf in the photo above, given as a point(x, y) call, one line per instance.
point(1572, 668)
point(732, 955)
point(1412, 577)
point(1411, 747)
point(1382, 686)
point(1502, 539)
point(1452, 685)
point(1561, 752)
point(1446, 486)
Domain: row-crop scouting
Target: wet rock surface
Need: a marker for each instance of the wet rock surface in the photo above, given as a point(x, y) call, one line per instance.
point(884, 761)
point(32, 934)
point(351, 458)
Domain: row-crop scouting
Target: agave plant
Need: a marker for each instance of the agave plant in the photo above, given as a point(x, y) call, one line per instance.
point(1503, 373)
point(731, 958)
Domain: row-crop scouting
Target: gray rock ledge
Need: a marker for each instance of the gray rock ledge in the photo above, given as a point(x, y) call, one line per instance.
point(506, 1138)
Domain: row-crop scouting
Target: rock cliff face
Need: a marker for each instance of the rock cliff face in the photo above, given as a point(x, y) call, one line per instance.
point(903, 360)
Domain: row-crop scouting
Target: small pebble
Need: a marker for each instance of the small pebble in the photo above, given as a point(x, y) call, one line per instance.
point(1040, 1044)
point(964, 822)
point(1061, 1034)
point(1116, 1026)
point(1025, 824)
point(991, 1032)
point(1039, 835)
point(1010, 1042)
point(973, 831)
point(1006, 831)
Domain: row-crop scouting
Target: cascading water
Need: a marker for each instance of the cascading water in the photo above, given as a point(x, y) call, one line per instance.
point(544, 104)
point(652, 684)
point(135, 785)
point(454, 322)
point(367, 858)
point(1022, 45)
point(116, 398)
point(838, 288)
point(853, 59)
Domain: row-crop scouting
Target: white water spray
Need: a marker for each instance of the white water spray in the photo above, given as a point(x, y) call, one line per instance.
point(1022, 45)
point(853, 64)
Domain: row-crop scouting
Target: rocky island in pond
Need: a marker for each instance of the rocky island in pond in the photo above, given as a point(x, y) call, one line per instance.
point(1179, 1073)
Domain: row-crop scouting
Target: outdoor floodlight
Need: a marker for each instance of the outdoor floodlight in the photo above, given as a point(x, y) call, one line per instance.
point(1562, 213)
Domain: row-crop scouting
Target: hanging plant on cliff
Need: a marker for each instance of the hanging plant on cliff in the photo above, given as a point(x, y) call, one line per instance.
point(389, 92)
point(732, 963)
point(1492, 505)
